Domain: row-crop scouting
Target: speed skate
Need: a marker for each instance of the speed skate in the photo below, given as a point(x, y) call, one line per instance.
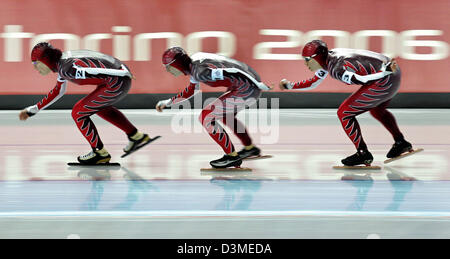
point(139, 147)
point(363, 167)
point(94, 165)
point(403, 155)
point(257, 157)
point(227, 169)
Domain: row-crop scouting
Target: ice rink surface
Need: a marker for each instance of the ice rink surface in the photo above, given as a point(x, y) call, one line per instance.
point(159, 192)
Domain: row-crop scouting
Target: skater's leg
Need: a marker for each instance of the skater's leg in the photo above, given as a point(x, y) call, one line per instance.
point(241, 132)
point(225, 109)
point(114, 115)
point(238, 128)
point(243, 97)
point(81, 113)
point(368, 97)
point(389, 87)
point(387, 119)
point(101, 98)
point(118, 119)
point(361, 101)
point(347, 113)
point(209, 119)
point(240, 100)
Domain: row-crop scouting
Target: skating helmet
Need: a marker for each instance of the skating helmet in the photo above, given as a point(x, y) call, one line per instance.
point(317, 50)
point(47, 54)
point(177, 58)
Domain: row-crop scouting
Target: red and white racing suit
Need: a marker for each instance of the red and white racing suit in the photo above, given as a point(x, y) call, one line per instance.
point(113, 81)
point(244, 89)
point(378, 87)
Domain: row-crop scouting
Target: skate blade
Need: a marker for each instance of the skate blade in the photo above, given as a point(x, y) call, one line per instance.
point(228, 169)
point(96, 165)
point(258, 157)
point(403, 155)
point(139, 147)
point(361, 167)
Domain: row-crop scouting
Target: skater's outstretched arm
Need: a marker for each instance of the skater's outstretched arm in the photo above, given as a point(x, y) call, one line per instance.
point(57, 92)
point(309, 84)
point(192, 89)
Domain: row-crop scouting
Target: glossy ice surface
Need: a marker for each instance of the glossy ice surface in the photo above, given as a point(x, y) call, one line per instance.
point(160, 192)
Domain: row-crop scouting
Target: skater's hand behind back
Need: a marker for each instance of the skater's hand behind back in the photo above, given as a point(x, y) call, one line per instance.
point(23, 115)
point(284, 84)
point(394, 66)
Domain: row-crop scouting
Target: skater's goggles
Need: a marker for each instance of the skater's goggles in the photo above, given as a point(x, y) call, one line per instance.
point(307, 59)
point(170, 63)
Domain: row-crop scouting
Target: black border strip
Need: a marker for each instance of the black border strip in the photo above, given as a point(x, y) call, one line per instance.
point(286, 100)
